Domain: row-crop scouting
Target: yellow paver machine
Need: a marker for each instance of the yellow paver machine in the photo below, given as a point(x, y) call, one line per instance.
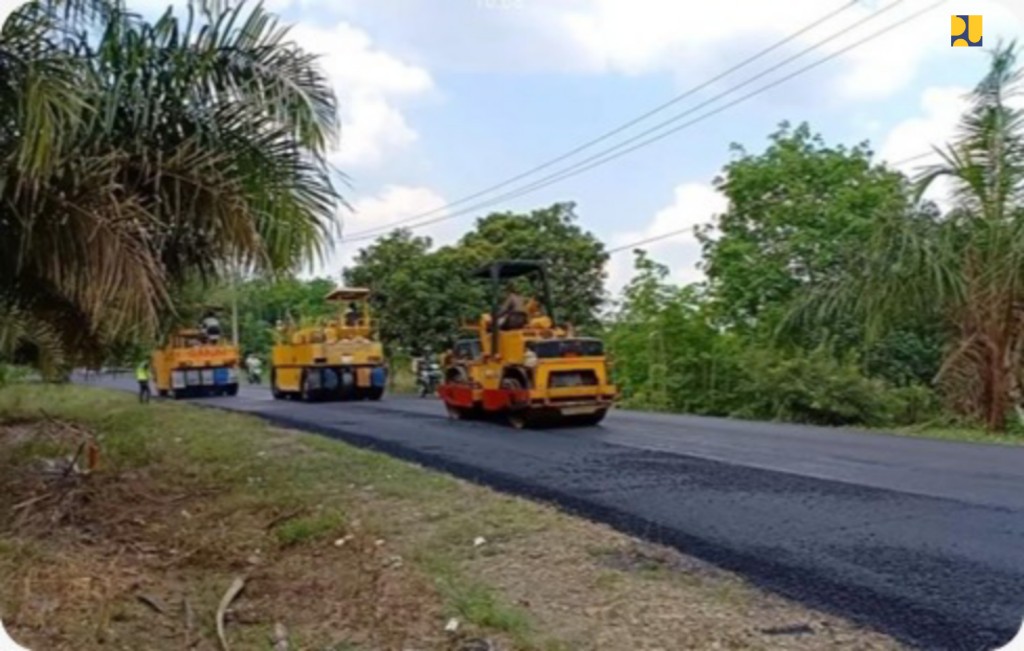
point(192, 364)
point(523, 367)
point(341, 359)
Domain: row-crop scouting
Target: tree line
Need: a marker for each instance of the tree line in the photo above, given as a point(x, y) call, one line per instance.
point(146, 164)
point(834, 294)
point(138, 157)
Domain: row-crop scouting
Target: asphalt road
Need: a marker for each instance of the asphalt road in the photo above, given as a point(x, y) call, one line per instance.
point(921, 539)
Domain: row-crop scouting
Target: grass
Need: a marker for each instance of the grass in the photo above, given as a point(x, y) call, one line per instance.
point(347, 548)
point(961, 434)
point(305, 529)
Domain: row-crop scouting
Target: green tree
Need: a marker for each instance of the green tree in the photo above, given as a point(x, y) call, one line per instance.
point(575, 259)
point(967, 268)
point(666, 351)
point(138, 155)
point(795, 213)
point(423, 294)
point(420, 295)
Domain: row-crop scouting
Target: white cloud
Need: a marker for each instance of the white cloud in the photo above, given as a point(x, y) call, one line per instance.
point(391, 204)
point(936, 125)
point(371, 129)
point(644, 36)
point(693, 204)
point(369, 83)
point(8, 6)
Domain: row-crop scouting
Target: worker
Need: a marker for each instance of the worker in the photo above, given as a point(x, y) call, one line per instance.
point(255, 369)
point(512, 314)
point(352, 315)
point(142, 375)
point(210, 326)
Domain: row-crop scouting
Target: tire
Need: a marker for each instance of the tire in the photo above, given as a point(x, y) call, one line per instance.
point(304, 392)
point(232, 390)
point(177, 394)
point(456, 413)
point(375, 394)
point(163, 393)
point(516, 418)
point(274, 391)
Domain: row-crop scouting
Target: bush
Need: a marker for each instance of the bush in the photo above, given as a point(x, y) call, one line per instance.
point(913, 404)
point(812, 388)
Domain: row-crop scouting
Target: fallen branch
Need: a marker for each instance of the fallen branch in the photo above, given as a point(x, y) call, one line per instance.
point(152, 603)
point(74, 461)
point(225, 602)
point(287, 516)
point(29, 502)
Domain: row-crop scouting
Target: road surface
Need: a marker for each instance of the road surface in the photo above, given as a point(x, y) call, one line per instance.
point(920, 539)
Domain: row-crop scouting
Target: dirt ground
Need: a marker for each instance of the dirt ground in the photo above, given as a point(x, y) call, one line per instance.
point(337, 548)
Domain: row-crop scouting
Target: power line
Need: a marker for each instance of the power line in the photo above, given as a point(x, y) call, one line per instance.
point(610, 154)
point(626, 125)
point(664, 236)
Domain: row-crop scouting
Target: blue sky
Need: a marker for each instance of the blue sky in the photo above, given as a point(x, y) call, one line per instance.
point(470, 92)
point(441, 98)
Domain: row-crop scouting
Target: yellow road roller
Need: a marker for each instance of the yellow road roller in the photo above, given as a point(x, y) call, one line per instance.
point(339, 359)
point(521, 366)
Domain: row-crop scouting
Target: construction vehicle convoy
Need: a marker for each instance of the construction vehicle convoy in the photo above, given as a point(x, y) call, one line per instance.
point(338, 360)
point(196, 362)
point(522, 366)
point(519, 364)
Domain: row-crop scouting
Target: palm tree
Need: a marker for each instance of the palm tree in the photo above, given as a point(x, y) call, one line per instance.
point(966, 268)
point(137, 155)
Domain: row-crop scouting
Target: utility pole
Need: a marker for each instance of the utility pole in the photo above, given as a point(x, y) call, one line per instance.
point(234, 306)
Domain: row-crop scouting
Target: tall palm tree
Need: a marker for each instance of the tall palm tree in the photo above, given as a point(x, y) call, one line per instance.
point(135, 155)
point(967, 267)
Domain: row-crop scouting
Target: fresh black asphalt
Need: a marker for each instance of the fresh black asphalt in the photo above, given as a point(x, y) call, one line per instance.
point(920, 539)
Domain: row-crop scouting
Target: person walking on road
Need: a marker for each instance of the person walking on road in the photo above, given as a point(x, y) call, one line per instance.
point(142, 375)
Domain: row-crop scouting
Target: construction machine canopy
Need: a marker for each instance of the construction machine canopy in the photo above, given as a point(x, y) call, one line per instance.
point(348, 294)
point(507, 269)
point(501, 270)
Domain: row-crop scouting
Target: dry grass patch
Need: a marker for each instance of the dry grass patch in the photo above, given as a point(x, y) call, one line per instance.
point(345, 548)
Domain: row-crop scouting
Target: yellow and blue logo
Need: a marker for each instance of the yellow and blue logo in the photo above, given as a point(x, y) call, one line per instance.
point(965, 31)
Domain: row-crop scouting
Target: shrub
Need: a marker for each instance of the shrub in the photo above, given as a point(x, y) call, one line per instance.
point(812, 388)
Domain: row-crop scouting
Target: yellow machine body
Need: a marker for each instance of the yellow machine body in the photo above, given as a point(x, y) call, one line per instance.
point(188, 365)
point(340, 359)
point(536, 374)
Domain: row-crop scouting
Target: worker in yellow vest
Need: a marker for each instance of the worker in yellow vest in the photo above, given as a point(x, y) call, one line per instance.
point(142, 375)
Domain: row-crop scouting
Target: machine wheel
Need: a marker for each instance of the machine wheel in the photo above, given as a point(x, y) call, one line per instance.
point(456, 413)
point(274, 391)
point(163, 393)
point(232, 390)
point(376, 393)
point(177, 394)
point(516, 419)
point(305, 394)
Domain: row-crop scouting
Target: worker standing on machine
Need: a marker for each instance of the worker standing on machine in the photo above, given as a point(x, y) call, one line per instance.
point(210, 326)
